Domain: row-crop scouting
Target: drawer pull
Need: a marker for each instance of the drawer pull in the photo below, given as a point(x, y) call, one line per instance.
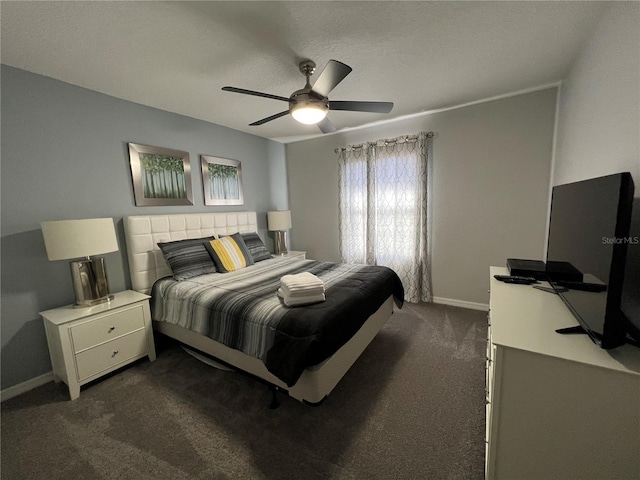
point(115, 352)
point(111, 328)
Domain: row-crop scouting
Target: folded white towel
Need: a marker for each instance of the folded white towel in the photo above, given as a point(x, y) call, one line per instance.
point(300, 300)
point(301, 280)
point(301, 286)
point(302, 291)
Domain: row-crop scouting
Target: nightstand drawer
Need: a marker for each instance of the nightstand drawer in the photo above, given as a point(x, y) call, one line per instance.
point(107, 327)
point(100, 358)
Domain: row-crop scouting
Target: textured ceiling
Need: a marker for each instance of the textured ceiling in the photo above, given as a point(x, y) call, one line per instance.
point(176, 56)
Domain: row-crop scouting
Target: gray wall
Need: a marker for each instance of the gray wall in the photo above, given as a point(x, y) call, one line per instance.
point(491, 178)
point(64, 155)
point(599, 106)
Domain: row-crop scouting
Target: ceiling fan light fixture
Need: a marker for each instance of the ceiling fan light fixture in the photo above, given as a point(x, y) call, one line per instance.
point(308, 110)
point(309, 114)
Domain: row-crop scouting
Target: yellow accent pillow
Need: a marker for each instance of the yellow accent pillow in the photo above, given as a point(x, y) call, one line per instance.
point(229, 253)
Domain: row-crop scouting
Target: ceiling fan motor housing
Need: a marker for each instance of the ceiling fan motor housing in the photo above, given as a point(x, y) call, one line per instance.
point(308, 97)
point(308, 107)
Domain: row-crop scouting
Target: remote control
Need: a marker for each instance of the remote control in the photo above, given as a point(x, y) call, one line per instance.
point(515, 279)
point(519, 281)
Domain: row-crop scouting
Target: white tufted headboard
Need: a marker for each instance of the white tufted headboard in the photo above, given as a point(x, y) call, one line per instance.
point(143, 232)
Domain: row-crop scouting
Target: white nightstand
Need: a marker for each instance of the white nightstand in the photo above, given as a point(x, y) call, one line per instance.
point(294, 254)
point(86, 343)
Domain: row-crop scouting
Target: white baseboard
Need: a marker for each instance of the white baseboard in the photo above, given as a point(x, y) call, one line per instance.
point(24, 387)
point(461, 303)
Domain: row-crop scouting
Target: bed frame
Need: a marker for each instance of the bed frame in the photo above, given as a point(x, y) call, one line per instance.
point(146, 265)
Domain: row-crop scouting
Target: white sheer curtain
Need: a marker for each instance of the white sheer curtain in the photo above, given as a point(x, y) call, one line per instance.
point(384, 209)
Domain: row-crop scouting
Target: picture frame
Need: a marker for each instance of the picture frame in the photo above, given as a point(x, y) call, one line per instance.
point(221, 181)
point(161, 176)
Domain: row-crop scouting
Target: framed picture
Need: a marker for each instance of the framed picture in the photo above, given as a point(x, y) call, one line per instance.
point(160, 176)
point(222, 181)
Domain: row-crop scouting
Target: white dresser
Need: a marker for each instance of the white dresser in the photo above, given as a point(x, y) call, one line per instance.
point(558, 406)
point(86, 343)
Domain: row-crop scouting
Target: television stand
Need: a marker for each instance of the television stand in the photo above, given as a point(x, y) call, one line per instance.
point(557, 406)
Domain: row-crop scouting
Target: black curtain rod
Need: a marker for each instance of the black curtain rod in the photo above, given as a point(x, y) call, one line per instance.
point(406, 138)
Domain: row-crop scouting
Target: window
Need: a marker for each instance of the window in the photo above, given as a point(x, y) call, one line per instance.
point(383, 209)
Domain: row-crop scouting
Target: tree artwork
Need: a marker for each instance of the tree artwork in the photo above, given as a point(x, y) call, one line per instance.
point(223, 181)
point(162, 176)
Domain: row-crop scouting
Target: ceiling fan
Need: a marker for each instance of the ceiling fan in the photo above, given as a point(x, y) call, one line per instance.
point(310, 104)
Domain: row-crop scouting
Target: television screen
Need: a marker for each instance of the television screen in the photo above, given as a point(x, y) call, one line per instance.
point(587, 255)
point(631, 287)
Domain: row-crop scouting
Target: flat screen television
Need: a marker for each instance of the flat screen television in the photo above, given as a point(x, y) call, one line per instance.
point(593, 258)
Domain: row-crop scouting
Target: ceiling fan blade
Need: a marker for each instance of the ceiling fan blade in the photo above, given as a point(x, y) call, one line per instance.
point(375, 107)
point(268, 119)
point(332, 75)
point(251, 92)
point(326, 126)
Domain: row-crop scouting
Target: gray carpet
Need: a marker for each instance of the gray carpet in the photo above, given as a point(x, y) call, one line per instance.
point(412, 407)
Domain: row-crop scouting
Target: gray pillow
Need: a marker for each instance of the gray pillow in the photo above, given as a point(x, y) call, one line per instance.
point(188, 258)
point(255, 246)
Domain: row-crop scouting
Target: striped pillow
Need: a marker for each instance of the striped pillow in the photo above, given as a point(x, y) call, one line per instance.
point(255, 246)
point(188, 258)
point(229, 253)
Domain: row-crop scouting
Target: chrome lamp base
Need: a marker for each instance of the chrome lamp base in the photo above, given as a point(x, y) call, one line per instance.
point(281, 242)
point(90, 283)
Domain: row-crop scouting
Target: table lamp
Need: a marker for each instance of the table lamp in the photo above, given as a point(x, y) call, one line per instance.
point(73, 239)
point(278, 222)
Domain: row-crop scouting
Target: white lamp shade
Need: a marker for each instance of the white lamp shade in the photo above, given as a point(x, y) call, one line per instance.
point(66, 239)
point(279, 220)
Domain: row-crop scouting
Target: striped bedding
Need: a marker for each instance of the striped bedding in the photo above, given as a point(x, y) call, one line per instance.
point(241, 309)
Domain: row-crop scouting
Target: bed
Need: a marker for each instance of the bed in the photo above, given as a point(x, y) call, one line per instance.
point(252, 290)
